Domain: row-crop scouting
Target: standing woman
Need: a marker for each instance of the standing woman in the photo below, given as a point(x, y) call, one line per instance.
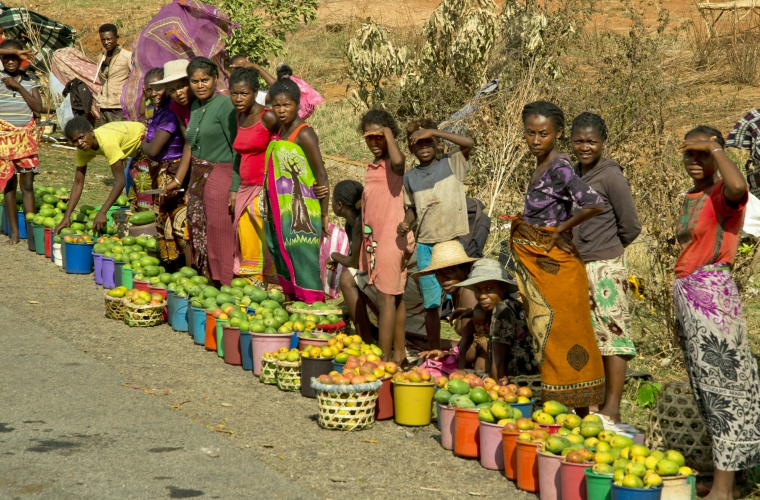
point(208, 141)
point(298, 218)
point(550, 273)
point(711, 327)
point(601, 241)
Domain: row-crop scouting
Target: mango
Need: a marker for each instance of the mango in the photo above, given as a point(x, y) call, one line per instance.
point(620, 463)
point(591, 430)
point(636, 469)
point(602, 457)
point(602, 468)
point(442, 396)
point(556, 444)
point(666, 467)
point(485, 415)
point(639, 450)
point(676, 457)
point(651, 462)
point(572, 421)
point(618, 475)
point(632, 481)
point(544, 418)
point(621, 441)
point(554, 408)
point(500, 410)
point(652, 479)
point(575, 439)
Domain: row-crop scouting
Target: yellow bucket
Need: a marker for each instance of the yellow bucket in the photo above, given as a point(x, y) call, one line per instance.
point(413, 403)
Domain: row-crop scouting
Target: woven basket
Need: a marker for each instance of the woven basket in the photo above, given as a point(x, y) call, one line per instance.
point(675, 424)
point(289, 376)
point(532, 381)
point(268, 373)
point(146, 315)
point(317, 312)
point(115, 307)
point(346, 407)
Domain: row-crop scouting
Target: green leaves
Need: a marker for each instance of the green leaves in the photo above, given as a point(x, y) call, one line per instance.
point(647, 394)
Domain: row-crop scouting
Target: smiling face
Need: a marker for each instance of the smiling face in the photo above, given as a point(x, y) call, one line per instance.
point(450, 276)
point(11, 63)
point(588, 145)
point(83, 140)
point(541, 135)
point(202, 84)
point(243, 98)
point(109, 40)
point(179, 91)
point(699, 164)
point(480, 321)
point(489, 293)
point(285, 108)
point(156, 95)
point(376, 142)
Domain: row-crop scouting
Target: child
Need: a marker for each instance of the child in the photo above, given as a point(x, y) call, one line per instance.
point(434, 196)
point(477, 354)
point(19, 100)
point(117, 141)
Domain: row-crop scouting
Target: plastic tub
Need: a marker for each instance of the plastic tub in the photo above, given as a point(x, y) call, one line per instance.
point(573, 478)
point(246, 352)
point(58, 254)
point(198, 322)
point(338, 367)
point(220, 324)
point(314, 367)
point(491, 447)
point(232, 354)
point(126, 278)
point(39, 238)
point(509, 443)
point(624, 493)
point(108, 269)
point(163, 292)
point(267, 342)
point(302, 342)
point(141, 285)
point(48, 242)
point(78, 258)
point(550, 428)
point(549, 479)
point(413, 403)
point(525, 408)
point(599, 486)
point(21, 218)
point(384, 404)
point(677, 487)
point(446, 418)
point(527, 466)
point(466, 433)
point(179, 321)
point(294, 342)
point(210, 331)
point(97, 260)
point(29, 235)
point(118, 273)
point(170, 307)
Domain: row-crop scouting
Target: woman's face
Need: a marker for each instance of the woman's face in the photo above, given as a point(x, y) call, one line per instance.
point(699, 164)
point(541, 135)
point(202, 84)
point(83, 140)
point(450, 276)
point(243, 98)
point(376, 139)
point(179, 91)
point(285, 108)
point(588, 145)
point(156, 96)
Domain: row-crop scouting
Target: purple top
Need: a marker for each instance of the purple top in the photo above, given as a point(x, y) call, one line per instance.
point(549, 201)
point(165, 119)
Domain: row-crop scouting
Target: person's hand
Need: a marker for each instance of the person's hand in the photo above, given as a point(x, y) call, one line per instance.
point(403, 228)
point(482, 341)
point(326, 226)
point(233, 197)
point(435, 354)
point(700, 145)
point(460, 313)
point(331, 264)
point(11, 83)
point(561, 241)
point(65, 222)
point(172, 186)
point(422, 134)
point(100, 222)
point(321, 192)
point(25, 55)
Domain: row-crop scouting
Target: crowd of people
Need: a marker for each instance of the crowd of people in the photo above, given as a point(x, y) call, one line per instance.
point(244, 193)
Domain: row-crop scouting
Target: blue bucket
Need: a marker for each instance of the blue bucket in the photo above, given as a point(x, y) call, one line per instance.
point(179, 323)
point(338, 367)
point(525, 408)
point(97, 260)
point(197, 324)
point(170, 307)
point(79, 258)
point(21, 224)
point(107, 270)
point(3, 219)
point(294, 342)
point(624, 493)
point(250, 311)
point(52, 252)
point(246, 351)
point(118, 270)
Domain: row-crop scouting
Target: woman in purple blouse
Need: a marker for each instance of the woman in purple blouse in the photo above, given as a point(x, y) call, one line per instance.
point(550, 273)
point(163, 144)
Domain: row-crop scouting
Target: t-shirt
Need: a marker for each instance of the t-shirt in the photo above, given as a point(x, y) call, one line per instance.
point(708, 229)
point(165, 119)
point(13, 107)
point(437, 193)
point(116, 141)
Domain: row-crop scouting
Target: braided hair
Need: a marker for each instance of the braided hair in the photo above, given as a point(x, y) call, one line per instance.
point(349, 193)
point(708, 131)
point(159, 72)
point(546, 109)
point(592, 121)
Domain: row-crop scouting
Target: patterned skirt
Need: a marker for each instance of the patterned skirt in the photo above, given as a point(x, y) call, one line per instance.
point(171, 217)
point(608, 286)
point(722, 369)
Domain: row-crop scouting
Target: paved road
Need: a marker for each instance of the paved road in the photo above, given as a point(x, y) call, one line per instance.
point(70, 428)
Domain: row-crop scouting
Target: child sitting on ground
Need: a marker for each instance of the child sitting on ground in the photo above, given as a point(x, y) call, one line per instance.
point(477, 355)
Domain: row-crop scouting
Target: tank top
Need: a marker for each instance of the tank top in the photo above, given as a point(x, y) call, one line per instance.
point(251, 144)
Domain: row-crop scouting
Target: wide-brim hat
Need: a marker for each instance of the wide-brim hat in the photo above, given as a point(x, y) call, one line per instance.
point(487, 270)
point(445, 254)
point(173, 71)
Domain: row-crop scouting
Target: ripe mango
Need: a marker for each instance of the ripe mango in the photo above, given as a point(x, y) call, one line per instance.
point(676, 457)
point(556, 444)
point(666, 467)
point(554, 408)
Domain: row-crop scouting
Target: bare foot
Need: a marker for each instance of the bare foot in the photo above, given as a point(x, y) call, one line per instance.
point(13, 238)
point(613, 416)
point(712, 495)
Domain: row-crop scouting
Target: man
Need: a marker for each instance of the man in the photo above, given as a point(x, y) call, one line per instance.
point(114, 67)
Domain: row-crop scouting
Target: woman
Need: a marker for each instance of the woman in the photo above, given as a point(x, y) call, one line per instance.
point(208, 141)
point(711, 327)
point(163, 144)
point(248, 200)
point(550, 273)
point(601, 241)
point(177, 87)
point(298, 217)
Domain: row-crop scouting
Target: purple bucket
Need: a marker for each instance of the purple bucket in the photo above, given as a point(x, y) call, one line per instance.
point(107, 269)
point(98, 261)
point(446, 417)
point(491, 446)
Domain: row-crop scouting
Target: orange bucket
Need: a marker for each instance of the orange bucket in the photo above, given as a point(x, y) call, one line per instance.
point(210, 332)
point(527, 466)
point(466, 433)
point(509, 442)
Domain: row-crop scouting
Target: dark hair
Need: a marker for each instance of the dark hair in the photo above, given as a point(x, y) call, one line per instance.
point(159, 72)
point(238, 56)
point(203, 64)
point(418, 124)
point(285, 86)
point(283, 70)
point(76, 125)
point(590, 120)
point(109, 28)
point(379, 117)
point(708, 131)
point(11, 44)
point(348, 193)
point(249, 76)
point(546, 109)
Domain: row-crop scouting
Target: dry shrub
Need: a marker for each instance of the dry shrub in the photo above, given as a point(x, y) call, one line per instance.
point(743, 58)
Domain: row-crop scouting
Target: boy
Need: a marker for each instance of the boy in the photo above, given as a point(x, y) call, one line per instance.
point(114, 67)
point(434, 196)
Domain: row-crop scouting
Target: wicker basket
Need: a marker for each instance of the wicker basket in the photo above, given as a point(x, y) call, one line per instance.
point(115, 307)
point(317, 312)
point(532, 381)
point(346, 407)
point(289, 375)
point(146, 315)
point(268, 373)
point(675, 424)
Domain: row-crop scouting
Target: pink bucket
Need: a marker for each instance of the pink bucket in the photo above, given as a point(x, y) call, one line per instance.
point(267, 342)
point(550, 483)
point(573, 480)
point(491, 447)
point(446, 414)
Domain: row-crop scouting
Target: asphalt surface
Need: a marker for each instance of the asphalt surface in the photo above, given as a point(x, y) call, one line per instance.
point(71, 428)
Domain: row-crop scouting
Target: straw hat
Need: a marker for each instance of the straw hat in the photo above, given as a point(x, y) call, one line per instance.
point(173, 70)
point(446, 254)
point(487, 270)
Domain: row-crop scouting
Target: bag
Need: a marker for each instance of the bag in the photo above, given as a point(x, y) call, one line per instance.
point(480, 227)
point(752, 217)
point(337, 242)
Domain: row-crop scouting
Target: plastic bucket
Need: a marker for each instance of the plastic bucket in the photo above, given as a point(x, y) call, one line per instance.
point(509, 443)
point(525, 408)
point(676, 488)
point(573, 478)
point(198, 321)
point(63, 253)
point(413, 403)
point(491, 447)
point(163, 292)
point(466, 433)
point(267, 342)
point(118, 273)
point(108, 269)
point(39, 238)
point(527, 466)
point(210, 331)
point(384, 405)
point(338, 367)
point(314, 367)
point(97, 260)
point(220, 324)
point(246, 352)
point(48, 242)
point(624, 493)
point(550, 428)
point(232, 354)
point(3, 224)
point(446, 418)
point(141, 285)
point(170, 307)
point(302, 342)
point(549, 480)
point(29, 236)
point(294, 342)
point(179, 321)
point(599, 486)
point(58, 254)
point(190, 324)
point(126, 278)
point(78, 258)
point(21, 218)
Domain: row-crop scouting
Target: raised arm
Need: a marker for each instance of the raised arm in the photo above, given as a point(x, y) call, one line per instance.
point(465, 143)
point(734, 185)
point(268, 78)
point(398, 160)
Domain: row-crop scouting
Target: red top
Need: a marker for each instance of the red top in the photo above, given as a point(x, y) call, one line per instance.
point(251, 144)
point(182, 112)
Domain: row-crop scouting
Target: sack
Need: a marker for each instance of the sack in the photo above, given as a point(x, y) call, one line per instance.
point(480, 227)
point(337, 242)
point(752, 217)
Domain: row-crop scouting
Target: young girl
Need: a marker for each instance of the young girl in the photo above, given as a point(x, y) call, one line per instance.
point(19, 100)
point(711, 327)
point(384, 253)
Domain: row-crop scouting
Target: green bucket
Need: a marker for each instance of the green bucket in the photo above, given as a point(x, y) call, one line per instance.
point(598, 486)
point(126, 278)
point(220, 337)
point(39, 239)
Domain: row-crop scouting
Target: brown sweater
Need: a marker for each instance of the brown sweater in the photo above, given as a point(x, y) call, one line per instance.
point(606, 235)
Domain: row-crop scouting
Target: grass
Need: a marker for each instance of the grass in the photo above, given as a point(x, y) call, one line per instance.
point(58, 171)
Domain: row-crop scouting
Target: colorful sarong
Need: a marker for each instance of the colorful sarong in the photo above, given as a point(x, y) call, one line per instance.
point(722, 369)
point(608, 286)
point(294, 221)
point(18, 150)
point(252, 259)
point(554, 287)
point(171, 211)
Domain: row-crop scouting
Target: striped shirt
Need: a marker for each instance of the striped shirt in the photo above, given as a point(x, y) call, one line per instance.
point(13, 107)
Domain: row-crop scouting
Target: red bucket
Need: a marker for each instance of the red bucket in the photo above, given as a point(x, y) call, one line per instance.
point(141, 285)
point(231, 339)
point(48, 245)
point(509, 443)
point(573, 477)
point(527, 466)
point(384, 406)
point(210, 332)
point(162, 293)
